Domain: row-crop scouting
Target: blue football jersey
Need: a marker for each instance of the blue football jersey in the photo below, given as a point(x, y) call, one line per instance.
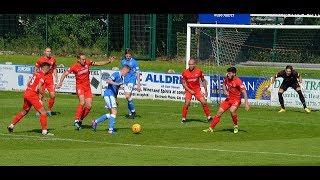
point(132, 75)
point(112, 90)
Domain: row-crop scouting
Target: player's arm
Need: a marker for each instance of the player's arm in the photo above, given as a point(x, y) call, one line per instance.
point(110, 81)
point(245, 96)
point(300, 78)
point(101, 63)
point(62, 78)
point(204, 83)
point(184, 84)
point(273, 78)
point(55, 73)
point(224, 88)
point(36, 67)
point(41, 90)
point(302, 87)
point(138, 81)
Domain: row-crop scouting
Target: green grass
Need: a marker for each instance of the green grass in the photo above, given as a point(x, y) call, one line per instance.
point(164, 66)
point(265, 138)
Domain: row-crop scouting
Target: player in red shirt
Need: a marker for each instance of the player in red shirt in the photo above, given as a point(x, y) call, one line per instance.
point(48, 82)
point(83, 89)
point(191, 82)
point(31, 98)
point(233, 99)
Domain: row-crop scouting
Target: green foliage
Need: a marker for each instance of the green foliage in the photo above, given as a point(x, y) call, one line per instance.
point(2, 43)
point(27, 44)
point(71, 32)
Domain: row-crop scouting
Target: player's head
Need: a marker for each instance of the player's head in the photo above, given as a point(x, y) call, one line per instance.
point(47, 52)
point(128, 54)
point(128, 51)
point(192, 63)
point(232, 72)
point(124, 70)
point(288, 70)
point(81, 58)
point(45, 67)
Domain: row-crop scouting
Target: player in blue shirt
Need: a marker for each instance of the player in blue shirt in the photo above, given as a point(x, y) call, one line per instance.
point(130, 81)
point(110, 96)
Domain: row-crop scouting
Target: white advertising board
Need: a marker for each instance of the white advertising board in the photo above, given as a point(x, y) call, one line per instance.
point(154, 86)
point(291, 98)
point(15, 77)
point(69, 83)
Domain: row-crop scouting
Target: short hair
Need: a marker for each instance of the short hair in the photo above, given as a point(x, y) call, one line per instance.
point(289, 67)
point(44, 64)
point(80, 54)
point(126, 66)
point(194, 59)
point(232, 69)
point(128, 51)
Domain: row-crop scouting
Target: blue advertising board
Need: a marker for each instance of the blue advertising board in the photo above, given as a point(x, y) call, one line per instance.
point(224, 18)
point(256, 87)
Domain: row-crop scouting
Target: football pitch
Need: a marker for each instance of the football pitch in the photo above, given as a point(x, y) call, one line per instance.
point(265, 137)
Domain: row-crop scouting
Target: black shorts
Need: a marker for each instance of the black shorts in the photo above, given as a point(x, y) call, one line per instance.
point(285, 86)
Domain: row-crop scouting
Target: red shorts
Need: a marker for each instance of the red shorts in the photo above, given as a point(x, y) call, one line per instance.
point(197, 94)
point(49, 85)
point(86, 91)
point(32, 100)
point(227, 103)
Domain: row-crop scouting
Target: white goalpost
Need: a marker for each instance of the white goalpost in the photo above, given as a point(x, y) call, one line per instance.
point(218, 46)
point(236, 27)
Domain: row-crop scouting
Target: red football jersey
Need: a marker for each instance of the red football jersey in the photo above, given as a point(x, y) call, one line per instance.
point(81, 73)
point(53, 65)
point(234, 86)
point(192, 78)
point(32, 87)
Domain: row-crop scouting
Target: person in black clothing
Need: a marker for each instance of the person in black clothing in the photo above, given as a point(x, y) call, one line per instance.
point(290, 77)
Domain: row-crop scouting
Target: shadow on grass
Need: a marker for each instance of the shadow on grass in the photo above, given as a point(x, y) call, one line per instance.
point(38, 130)
point(198, 120)
point(125, 116)
point(115, 129)
point(230, 130)
point(54, 113)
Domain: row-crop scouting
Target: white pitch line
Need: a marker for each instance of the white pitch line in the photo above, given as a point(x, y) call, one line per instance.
point(26, 137)
point(199, 116)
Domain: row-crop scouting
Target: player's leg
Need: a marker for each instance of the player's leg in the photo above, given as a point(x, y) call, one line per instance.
point(235, 105)
point(112, 120)
point(51, 90)
point(199, 96)
point(88, 104)
point(128, 88)
point(25, 109)
point(44, 87)
point(185, 107)
point(282, 89)
point(80, 93)
point(86, 109)
point(301, 97)
point(223, 107)
point(43, 115)
point(108, 100)
point(40, 97)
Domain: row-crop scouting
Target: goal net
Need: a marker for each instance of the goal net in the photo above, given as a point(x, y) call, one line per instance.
point(256, 50)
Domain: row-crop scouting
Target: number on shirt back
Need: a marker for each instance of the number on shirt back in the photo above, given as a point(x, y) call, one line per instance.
point(32, 80)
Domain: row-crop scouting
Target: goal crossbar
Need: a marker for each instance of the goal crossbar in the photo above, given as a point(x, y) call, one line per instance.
point(254, 26)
